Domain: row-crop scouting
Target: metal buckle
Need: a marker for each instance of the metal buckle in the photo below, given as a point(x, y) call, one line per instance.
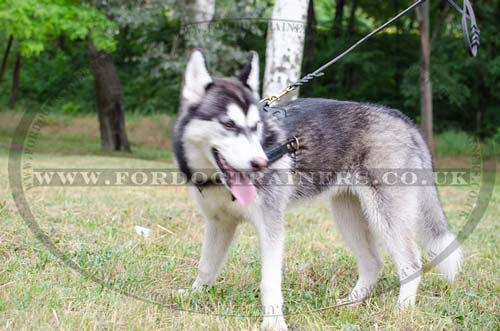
point(293, 147)
point(297, 142)
point(294, 144)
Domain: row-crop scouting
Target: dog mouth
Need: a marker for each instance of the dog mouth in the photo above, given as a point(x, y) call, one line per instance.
point(236, 181)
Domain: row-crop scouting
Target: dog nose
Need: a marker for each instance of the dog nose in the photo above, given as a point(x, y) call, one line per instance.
point(258, 163)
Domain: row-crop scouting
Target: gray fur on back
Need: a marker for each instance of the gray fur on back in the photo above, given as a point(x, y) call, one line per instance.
point(349, 136)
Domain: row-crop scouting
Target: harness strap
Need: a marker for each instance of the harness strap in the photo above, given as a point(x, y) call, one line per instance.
point(291, 147)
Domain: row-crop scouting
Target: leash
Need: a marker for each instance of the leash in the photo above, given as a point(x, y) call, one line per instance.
point(292, 145)
point(472, 42)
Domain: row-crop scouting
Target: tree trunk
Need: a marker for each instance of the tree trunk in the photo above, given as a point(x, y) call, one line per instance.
point(479, 117)
point(61, 42)
point(285, 46)
point(352, 17)
point(311, 30)
point(339, 17)
point(200, 11)
point(197, 15)
point(16, 76)
point(110, 101)
point(396, 5)
point(6, 57)
point(348, 76)
point(444, 19)
point(398, 76)
point(481, 107)
point(425, 75)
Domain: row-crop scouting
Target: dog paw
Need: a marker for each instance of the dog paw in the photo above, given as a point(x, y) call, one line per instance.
point(406, 302)
point(195, 288)
point(182, 291)
point(197, 285)
point(356, 298)
point(274, 323)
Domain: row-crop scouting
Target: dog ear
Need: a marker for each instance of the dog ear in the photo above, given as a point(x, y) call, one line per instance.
point(250, 73)
point(196, 78)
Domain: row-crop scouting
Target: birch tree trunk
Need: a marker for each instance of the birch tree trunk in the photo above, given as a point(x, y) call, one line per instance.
point(425, 75)
point(197, 16)
point(285, 46)
point(200, 11)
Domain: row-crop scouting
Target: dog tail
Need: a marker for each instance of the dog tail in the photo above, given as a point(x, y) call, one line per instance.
point(442, 247)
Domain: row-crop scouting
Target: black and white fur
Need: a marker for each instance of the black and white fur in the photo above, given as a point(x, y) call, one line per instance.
point(336, 135)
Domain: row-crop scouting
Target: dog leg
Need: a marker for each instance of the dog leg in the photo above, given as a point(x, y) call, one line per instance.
point(218, 237)
point(271, 238)
point(407, 260)
point(353, 227)
point(393, 215)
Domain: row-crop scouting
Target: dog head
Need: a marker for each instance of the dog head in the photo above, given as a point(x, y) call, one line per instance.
point(220, 121)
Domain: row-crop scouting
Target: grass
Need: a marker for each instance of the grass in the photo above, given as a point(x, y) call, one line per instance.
point(95, 227)
point(150, 136)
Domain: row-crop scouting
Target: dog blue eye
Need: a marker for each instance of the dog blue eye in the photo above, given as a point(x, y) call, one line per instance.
point(229, 124)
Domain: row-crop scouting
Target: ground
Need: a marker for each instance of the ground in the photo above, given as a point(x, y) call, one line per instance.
point(95, 227)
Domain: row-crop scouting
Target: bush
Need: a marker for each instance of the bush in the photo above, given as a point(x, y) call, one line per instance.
point(493, 144)
point(453, 142)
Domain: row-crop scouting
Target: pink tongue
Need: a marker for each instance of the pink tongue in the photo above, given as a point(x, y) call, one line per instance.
point(242, 189)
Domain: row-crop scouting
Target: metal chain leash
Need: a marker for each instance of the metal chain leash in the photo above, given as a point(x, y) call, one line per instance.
point(472, 42)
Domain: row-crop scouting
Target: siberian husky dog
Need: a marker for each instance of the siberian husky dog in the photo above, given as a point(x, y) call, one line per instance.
point(220, 141)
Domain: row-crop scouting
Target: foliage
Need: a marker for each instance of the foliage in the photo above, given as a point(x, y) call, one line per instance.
point(34, 22)
point(154, 38)
point(55, 78)
point(386, 69)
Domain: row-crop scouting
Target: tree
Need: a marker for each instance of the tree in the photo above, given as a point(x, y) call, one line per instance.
point(133, 17)
point(6, 56)
point(34, 23)
point(352, 16)
point(110, 101)
point(311, 30)
point(156, 36)
point(285, 45)
point(200, 11)
point(16, 76)
point(339, 17)
point(425, 75)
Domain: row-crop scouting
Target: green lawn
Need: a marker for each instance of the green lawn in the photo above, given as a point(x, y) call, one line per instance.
point(95, 227)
